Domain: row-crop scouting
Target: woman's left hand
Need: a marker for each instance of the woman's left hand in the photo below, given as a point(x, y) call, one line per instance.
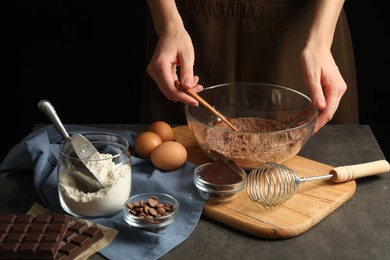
point(324, 80)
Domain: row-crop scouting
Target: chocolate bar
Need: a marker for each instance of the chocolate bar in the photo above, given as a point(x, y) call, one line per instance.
point(78, 238)
point(26, 236)
point(45, 236)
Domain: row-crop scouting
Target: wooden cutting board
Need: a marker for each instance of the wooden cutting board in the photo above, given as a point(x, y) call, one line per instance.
point(313, 201)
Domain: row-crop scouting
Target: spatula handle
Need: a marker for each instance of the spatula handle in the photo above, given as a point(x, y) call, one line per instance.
point(351, 172)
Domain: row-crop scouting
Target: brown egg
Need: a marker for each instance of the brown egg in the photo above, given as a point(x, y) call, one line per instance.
point(163, 129)
point(145, 143)
point(169, 156)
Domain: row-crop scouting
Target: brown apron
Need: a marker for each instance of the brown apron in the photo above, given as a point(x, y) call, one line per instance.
point(257, 41)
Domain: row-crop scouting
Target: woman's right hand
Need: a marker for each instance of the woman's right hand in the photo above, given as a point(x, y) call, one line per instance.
point(174, 49)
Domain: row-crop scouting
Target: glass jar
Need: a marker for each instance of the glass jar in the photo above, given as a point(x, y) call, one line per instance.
point(112, 167)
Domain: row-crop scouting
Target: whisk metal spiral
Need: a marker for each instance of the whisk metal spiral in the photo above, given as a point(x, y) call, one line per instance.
point(271, 184)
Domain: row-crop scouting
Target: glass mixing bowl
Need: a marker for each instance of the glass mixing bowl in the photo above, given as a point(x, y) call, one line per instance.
point(275, 122)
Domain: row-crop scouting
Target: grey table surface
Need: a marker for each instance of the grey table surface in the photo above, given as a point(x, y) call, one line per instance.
point(359, 229)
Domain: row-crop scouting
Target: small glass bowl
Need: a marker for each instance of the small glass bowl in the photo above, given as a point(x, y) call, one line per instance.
point(151, 210)
point(217, 193)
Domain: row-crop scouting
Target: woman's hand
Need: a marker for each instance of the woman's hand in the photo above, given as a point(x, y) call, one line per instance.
point(174, 49)
point(320, 72)
point(326, 84)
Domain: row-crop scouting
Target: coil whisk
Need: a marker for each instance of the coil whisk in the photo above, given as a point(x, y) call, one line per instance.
point(271, 184)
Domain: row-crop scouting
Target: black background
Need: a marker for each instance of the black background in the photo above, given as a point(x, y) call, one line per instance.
point(370, 26)
point(87, 58)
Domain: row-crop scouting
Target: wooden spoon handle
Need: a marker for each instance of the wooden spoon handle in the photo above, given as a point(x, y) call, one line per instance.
point(204, 103)
point(351, 172)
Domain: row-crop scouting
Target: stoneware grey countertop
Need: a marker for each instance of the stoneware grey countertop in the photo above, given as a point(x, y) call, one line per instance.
point(358, 229)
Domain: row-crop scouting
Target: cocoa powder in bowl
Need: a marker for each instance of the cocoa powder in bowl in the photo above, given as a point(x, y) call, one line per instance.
point(274, 123)
point(254, 144)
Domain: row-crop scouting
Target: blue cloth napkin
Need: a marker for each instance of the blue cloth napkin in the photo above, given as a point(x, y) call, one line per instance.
point(38, 152)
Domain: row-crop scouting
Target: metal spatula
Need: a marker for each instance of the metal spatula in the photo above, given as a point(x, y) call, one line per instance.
point(86, 179)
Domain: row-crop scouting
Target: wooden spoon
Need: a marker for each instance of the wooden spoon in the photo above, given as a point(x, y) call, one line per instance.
point(204, 103)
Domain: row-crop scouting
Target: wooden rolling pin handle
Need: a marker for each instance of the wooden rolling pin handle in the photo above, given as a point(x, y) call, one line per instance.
point(351, 172)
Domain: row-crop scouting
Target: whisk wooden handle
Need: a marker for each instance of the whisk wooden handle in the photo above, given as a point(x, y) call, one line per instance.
point(351, 172)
